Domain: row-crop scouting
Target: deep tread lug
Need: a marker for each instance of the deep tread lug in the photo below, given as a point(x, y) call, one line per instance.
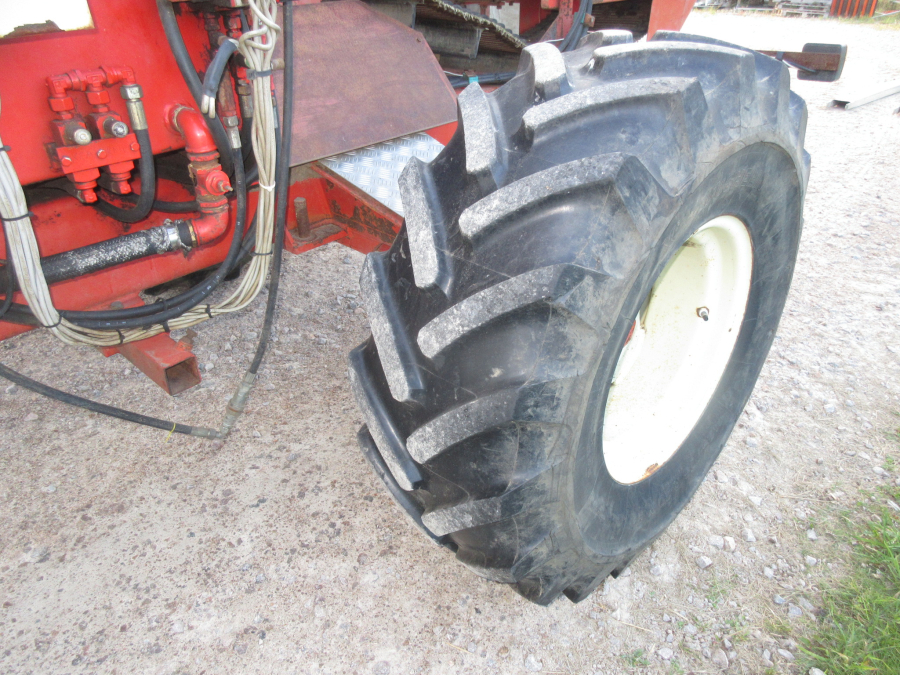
point(425, 226)
point(370, 451)
point(605, 38)
point(772, 76)
point(486, 511)
point(486, 413)
point(395, 349)
point(729, 75)
point(640, 198)
point(382, 428)
point(580, 589)
point(550, 76)
point(680, 99)
point(456, 425)
point(546, 583)
point(484, 154)
point(485, 306)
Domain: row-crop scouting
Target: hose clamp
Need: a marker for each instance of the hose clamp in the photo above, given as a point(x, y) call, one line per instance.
point(173, 236)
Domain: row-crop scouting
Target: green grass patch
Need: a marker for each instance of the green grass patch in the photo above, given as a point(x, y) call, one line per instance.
point(859, 630)
point(778, 626)
point(719, 590)
point(636, 659)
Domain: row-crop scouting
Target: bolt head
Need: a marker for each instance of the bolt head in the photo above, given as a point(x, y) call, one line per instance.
point(118, 129)
point(66, 161)
point(81, 136)
point(135, 147)
point(101, 153)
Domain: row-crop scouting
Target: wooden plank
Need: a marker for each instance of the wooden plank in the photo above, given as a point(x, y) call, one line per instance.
point(812, 60)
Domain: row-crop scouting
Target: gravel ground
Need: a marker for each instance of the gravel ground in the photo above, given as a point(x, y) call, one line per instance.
point(123, 550)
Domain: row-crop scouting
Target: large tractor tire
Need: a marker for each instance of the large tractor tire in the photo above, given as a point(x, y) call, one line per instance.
point(589, 279)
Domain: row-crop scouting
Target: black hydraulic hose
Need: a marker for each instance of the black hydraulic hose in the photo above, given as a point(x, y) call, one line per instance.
point(158, 204)
point(247, 245)
point(584, 27)
point(164, 310)
point(566, 44)
point(176, 207)
point(168, 207)
point(282, 179)
point(148, 184)
point(20, 314)
point(252, 174)
point(457, 81)
point(183, 59)
point(576, 32)
point(10, 280)
point(247, 142)
point(214, 76)
point(246, 120)
point(112, 411)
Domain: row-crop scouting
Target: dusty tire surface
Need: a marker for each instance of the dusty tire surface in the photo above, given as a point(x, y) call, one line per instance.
point(531, 243)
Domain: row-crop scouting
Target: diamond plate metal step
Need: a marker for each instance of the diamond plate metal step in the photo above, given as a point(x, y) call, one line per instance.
point(376, 169)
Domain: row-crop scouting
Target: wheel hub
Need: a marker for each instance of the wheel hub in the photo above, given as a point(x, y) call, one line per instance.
point(677, 350)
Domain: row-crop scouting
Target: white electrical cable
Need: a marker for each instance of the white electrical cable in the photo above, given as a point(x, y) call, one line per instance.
point(257, 46)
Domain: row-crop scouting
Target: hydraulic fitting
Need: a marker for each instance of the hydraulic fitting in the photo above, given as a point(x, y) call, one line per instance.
point(115, 128)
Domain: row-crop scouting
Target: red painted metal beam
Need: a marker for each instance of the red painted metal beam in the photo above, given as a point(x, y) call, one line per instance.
point(668, 15)
point(170, 364)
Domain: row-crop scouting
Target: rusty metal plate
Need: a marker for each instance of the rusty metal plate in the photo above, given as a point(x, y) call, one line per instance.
point(360, 78)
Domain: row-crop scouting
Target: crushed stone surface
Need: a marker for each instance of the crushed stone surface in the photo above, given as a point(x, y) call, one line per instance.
point(125, 550)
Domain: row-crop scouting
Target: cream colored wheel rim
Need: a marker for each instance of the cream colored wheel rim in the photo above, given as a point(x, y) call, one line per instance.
point(681, 343)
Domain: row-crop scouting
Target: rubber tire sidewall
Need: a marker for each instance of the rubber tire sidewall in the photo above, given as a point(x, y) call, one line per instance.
point(761, 186)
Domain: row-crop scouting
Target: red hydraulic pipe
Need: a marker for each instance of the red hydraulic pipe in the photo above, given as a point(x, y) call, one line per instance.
point(210, 182)
point(209, 227)
point(190, 124)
